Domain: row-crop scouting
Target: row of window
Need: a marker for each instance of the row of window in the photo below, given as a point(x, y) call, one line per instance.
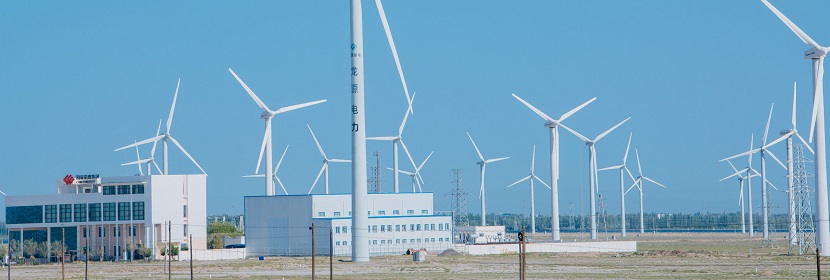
point(398, 241)
point(412, 227)
point(83, 212)
point(116, 231)
point(380, 213)
point(123, 189)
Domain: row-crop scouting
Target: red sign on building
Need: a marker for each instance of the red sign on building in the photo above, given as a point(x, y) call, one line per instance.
point(68, 179)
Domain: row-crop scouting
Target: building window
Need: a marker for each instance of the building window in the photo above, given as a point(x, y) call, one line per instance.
point(80, 212)
point(403, 241)
point(138, 210)
point(345, 231)
point(374, 242)
point(132, 229)
point(84, 236)
point(123, 211)
point(382, 242)
point(418, 227)
point(398, 241)
point(95, 212)
point(425, 212)
point(51, 214)
point(432, 227)
point(446, 226)
point(440, 227)
point(184, 228)
point(426, 227)
point(66, 213)
point(100, 230)
point(403, 227)
point(116, 232)
point(375, 228)
point(337, 230)
point(109, 211)
point(410, 212)
point(138, 189)
point(440, 239)
point(411, 227)
point(337, 243)
point(412, 240)
point(432, 240)
point(24, 214)
point(426, 240)
point(396, 212)
point(109, 190)
point(321, 214)
point(381, 212)
point(397, 227)
point(124, 189)
point(419, 240)
point(184, 210)
point(337, 214)
point(345, 243)
point(382, 228)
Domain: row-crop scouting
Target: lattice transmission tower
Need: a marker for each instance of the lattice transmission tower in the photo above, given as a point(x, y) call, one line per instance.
point(805, 228)
point(376, 181)
point(459, 199)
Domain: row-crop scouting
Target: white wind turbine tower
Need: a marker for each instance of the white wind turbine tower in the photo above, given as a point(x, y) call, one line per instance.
point(395, 140)
point(531, 177)
point(417, 180)
point(150, 160)
point(764, 150)
point(326, 161)
point(791, 194)
point(816, 54)
point(166, 136)
point(553, 126)
point(267, 115)
point(639, 183)
point(275, 177)
point(622, 168)
point(741, 179)
point(592, 170)
point(483, 163)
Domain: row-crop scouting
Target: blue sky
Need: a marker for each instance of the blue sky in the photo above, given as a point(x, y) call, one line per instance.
point(80, 79)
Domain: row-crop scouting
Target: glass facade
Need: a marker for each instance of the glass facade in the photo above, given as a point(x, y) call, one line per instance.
point(24, 214)
point(80, 212)
point(123, 211)
point(124, 189)
point(109, 211)
point(109, 190)
point(66, 213)
point(138, 210)
point(138, 189)
point(95, 212)
point(51, 214)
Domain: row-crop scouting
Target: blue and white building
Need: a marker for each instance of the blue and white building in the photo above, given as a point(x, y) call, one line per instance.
point(279, 225)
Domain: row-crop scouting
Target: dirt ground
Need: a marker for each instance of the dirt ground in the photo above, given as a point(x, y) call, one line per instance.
point(659, 256)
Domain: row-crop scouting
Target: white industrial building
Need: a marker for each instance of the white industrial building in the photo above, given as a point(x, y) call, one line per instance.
point(279, 225)
point(111, 213)
point(479, 234)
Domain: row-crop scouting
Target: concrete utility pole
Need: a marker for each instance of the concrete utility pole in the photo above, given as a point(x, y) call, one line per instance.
point(312, 251)
point(360, 216)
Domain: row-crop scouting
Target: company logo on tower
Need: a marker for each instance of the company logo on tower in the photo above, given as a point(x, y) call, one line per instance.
point(354, 46)
point(68, 179)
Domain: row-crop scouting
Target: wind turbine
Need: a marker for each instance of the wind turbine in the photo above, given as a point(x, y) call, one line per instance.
point(791, 193)
point(816, 54)
point(553, 126)
point(639, 183)
point(483, 163)
point(166, 136)
point(326, 161)
point(275, 177)
point(395, 140)
point(417, 180)
point(150, 160)
point(531, 177)
point(764, 150)
point(741, 179)
point(267, 115)
point(592, 170)
point(622, 168)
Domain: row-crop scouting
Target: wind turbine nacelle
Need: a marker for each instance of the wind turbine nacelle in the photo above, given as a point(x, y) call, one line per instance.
point(265, 115)
point(815, 53)
point(785, 131)
point(550, 124)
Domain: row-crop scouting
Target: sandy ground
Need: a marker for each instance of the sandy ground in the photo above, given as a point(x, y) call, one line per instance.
point(659, 256)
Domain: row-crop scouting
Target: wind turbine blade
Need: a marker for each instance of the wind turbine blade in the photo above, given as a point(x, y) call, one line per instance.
point(406, 116)
point(636, 182)
point(521, 180)
point(157, 167)
point(173, 107)
point(737, 173)
point(254, 176)
point(766, 130)
point(339, 160)
point(541, 181)
point(153, 150)
point(392, 46)
point(382, 138)
point(818, 98)
point(533, 160)
point(750, 152)
point(794, 93)
point(318, 178)
point(265, 138)
point(629, 174)
point(281, 186)
point(318, 143)
point(575, 133)
point(611, 129)
point(741, 196)
point(280, 161)
point(250, 92)
point(139, 162)
point(474, 146)
point(751, 142)
point(732, 165)
point(138, 157)
point(298, 106)
point(798, 32)
point(537, 111)
point(768, 152)
point(625, 157)
point(408, 155)
point(611, 167)
point(650, 180)
point(574, 110)
point(142, 142)
point(782, 138)
point(639, 168)
point(771, 185)
point(483, 170)
point(496, 159)
point(187, 154)
point(422, 163)
point(805, 143)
